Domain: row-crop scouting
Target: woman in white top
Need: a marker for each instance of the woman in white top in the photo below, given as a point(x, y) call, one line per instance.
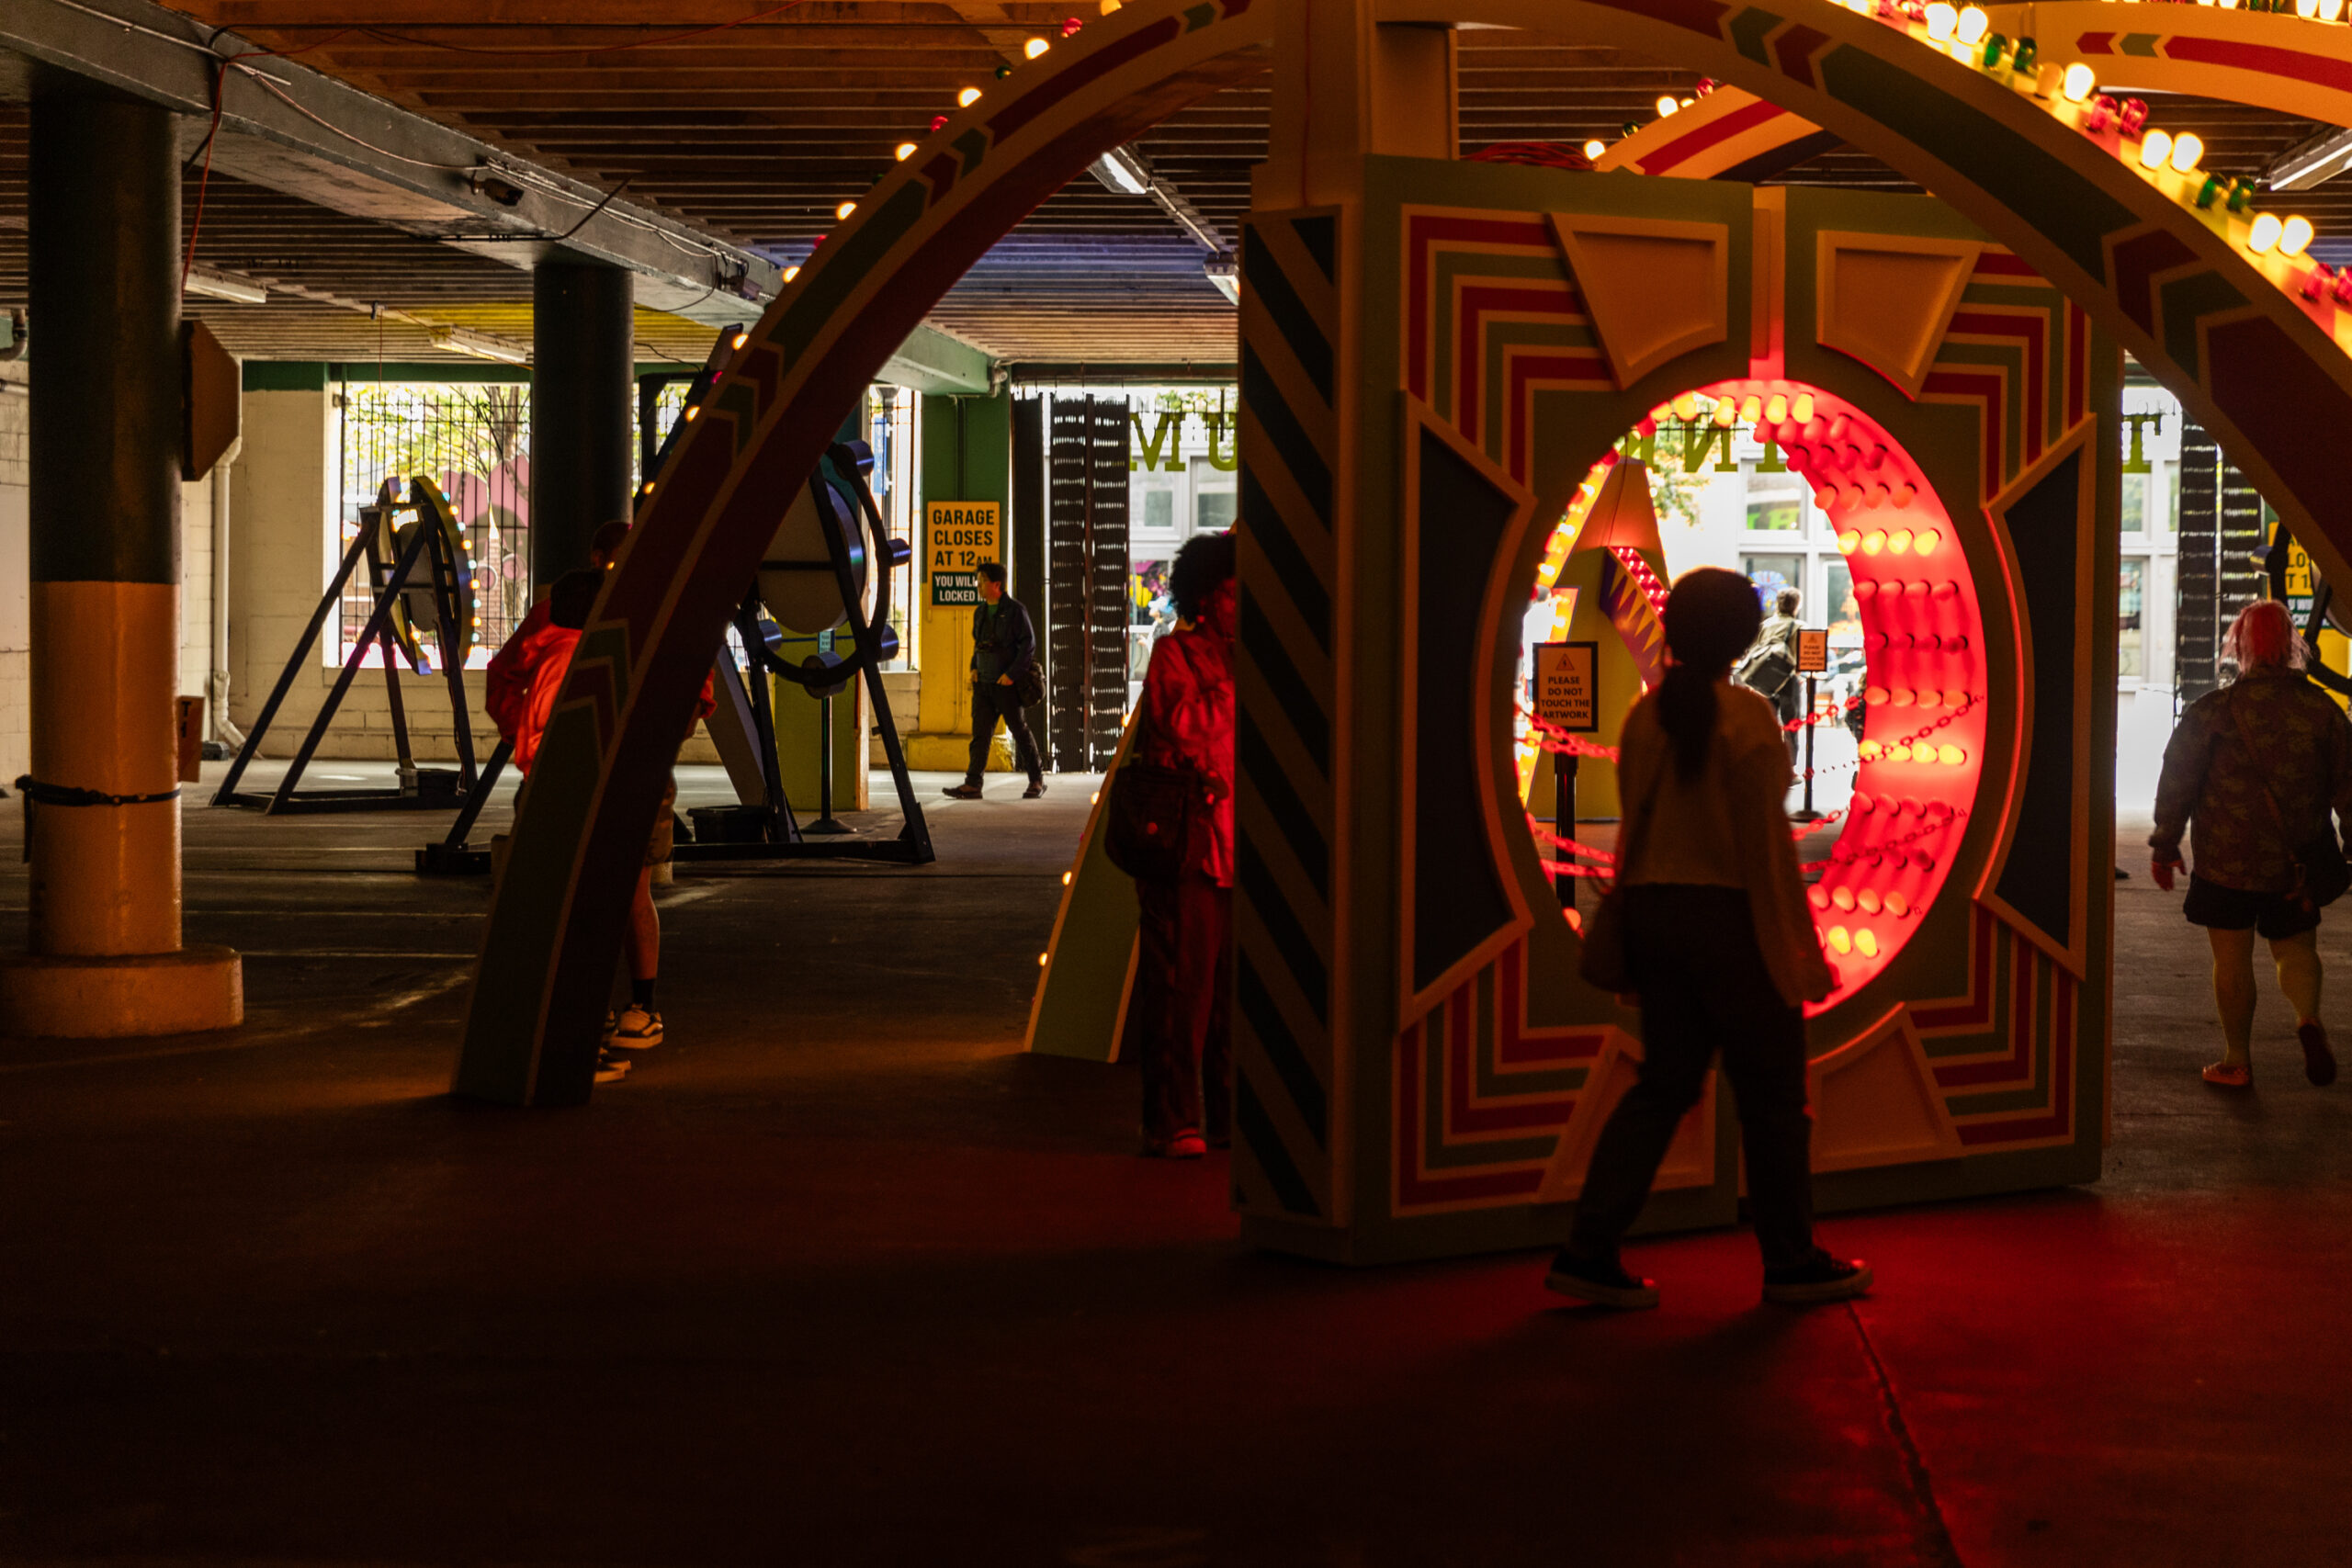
point(1723, 953)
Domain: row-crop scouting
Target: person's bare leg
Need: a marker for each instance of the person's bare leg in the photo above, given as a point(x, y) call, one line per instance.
point(2233, 991)
point(644, 931)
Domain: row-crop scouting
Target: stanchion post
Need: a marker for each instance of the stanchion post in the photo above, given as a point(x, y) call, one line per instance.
point(1808, 813)
point(1564, 822)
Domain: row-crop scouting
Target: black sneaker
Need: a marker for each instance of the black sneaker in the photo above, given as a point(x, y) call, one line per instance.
point(611, 1068)
point(963, 792)
point(1037, 790)
point(1826, 1279)
point(1606, 1284)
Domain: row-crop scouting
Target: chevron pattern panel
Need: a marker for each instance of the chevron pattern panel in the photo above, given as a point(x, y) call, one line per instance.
point(1287, 687)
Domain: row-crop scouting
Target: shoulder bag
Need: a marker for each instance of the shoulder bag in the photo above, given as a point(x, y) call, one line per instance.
point(2321, 873)
point(1604, 964)
point(1154, 823)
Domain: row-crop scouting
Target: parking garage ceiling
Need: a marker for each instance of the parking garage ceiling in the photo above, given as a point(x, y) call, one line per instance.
point(752, 123)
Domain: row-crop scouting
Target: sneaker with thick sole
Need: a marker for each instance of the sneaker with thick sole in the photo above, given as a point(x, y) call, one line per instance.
point(1826, 1279)
point(1604, 1284)
point(2319, 1062)
point(637, 1029)
point(1036, 791)
point(963, 792)
point(1183, 1145)
point(611, 1068)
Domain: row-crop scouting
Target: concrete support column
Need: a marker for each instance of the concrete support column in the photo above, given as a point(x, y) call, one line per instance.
point(583, 409)
point(104, 550)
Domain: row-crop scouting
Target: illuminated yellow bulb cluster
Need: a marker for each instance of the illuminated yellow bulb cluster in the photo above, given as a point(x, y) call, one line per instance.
point(2288, 236)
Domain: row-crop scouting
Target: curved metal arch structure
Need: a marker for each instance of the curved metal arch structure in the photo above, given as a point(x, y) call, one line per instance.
point(2246, 358)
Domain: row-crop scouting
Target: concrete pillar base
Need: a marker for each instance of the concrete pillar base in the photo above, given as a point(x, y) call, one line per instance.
point(194, 989)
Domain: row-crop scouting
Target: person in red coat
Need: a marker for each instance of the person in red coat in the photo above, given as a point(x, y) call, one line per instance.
point(524, 677)
point(1184, 968)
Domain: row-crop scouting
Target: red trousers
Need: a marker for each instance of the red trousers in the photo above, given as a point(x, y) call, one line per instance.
point(1182, 1004)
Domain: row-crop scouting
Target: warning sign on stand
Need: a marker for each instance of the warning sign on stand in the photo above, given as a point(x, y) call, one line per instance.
point(1567, 696)
point(1813, 650)
point(960, 537)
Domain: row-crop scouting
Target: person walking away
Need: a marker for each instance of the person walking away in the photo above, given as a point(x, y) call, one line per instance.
point(1004, 662)
point(1769, 666)
point(2252, 772)
point(521, 684)
point(1723, 953)
point(1184, 964)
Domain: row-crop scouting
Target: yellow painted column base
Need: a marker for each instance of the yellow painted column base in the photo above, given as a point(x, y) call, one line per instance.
point(185, 992)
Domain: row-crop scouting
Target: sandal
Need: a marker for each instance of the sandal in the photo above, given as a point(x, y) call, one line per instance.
point(2228, 1075)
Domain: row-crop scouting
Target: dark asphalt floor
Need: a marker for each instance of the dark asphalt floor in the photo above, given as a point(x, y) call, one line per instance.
point(841, 1277)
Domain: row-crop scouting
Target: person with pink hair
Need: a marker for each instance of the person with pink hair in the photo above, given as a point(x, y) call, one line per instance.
point(2257, 767)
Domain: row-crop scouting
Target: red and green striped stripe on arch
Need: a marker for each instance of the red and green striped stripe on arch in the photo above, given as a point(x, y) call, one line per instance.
point(556, 919)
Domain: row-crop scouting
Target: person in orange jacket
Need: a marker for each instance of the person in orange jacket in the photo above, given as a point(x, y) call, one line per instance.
point(523, 679)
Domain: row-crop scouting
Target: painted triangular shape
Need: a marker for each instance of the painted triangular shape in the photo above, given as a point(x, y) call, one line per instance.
point(1875, 1102)
point(1887, 299)
point(1654, 290)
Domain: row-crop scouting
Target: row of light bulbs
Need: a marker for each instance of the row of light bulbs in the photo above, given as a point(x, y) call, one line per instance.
point(1902, 541)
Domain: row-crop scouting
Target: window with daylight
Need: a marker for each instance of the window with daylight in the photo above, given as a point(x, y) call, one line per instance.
point(473, 439)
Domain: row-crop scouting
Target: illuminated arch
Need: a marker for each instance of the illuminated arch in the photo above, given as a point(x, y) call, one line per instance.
point(2245, 356)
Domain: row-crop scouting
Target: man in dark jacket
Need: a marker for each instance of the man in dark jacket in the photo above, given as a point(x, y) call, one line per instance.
point(1004, 647)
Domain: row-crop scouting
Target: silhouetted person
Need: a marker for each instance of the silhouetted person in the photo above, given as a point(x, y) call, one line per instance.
point(1183, 971)
point(520, 692)
point(2254, 771)
point(1722, 949)
point(1004, 650)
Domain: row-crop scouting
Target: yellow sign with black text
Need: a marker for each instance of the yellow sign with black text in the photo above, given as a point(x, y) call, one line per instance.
point(960, 537)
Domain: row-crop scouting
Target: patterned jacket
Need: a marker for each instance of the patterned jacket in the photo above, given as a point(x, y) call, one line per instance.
point(2301, 749)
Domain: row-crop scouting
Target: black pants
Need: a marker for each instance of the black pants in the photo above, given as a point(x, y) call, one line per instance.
point(1183, 983)
point(989, 703)
point(1703, 988)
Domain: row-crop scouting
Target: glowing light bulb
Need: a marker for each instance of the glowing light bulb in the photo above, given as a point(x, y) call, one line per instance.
point(1594, 149)
point(1686, 407)
point(1848, 542)
point(1866, 590)
point(740, 339)
point(1925, 543)
point(1901, 698)
point(1827, 498)
point(1817, 897)
point(1065, 879)
point(1777, 408)
point(1950, 756)
point(790, 272)
point(904, 150)
point(1899, 541)
point(1842, 939)
point(1751, 409)
point(1725, 411)
point(1929, 697)
point(1866, 943)
point(2295, 236)
point(2187, 152)
point(2155, 149)
point(693, 411)
point(1943, 20)
point(1903, 495)
point(2264, 237)
point(1874, 541)
point(844, 210)
point(1035, 46)
point(1667, 104)
point(1109, 6)
point(1875, 696)
point(645, 489)
point(1972, 26)
point(2079, 83)
point(1869, 900)
point(1869, 750)
point(1843, 897)
point(968, 97)
point(2331, 10)
point(1899, 752)
point(1041, 959)
point(2307, 9)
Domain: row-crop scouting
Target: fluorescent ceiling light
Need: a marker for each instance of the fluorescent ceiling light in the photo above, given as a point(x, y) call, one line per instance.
point(481, 345)
point(214, 285)
point(2321, 159)
point(1225, 273)
point(1123, 170)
